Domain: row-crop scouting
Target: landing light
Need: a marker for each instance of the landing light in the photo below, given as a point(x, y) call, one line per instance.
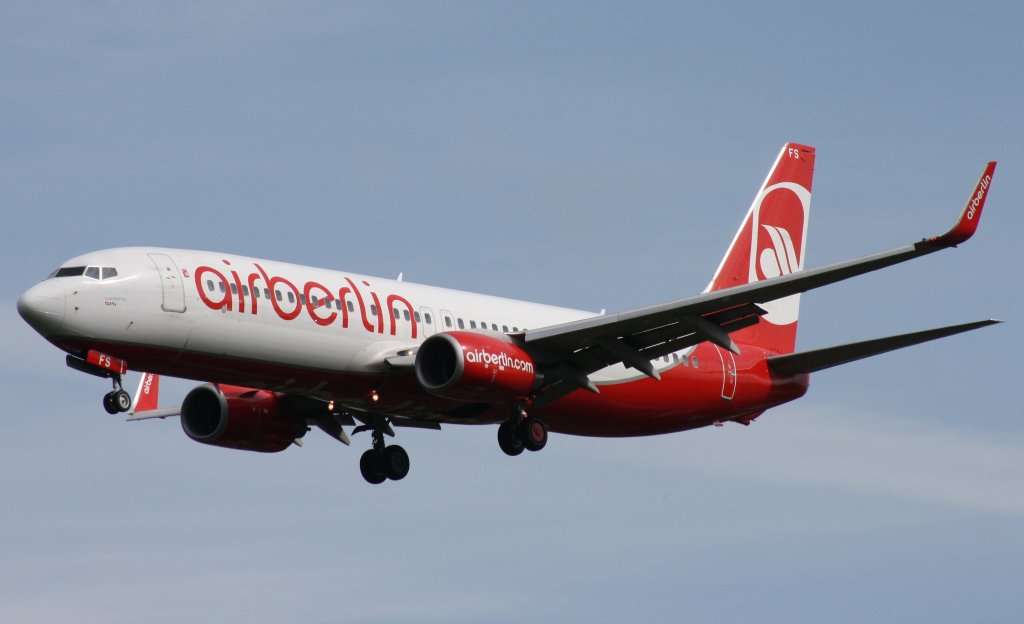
point(374, 396)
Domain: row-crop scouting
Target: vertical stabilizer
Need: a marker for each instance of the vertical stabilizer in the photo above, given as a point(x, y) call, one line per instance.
point(771, 243)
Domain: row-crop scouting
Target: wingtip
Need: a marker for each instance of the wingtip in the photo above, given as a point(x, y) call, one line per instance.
point(970, 217)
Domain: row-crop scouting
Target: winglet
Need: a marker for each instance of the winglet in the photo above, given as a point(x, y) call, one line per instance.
point(147, 398)
point(971, 215)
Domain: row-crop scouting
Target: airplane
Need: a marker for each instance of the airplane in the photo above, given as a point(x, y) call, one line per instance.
point(282, 348)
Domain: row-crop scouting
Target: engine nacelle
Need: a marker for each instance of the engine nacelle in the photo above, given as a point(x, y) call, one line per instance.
point(471, 367)
point(239, 418)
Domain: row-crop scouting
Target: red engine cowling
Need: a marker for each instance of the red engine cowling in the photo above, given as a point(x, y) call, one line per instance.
point(471, 367)
point(239, 418)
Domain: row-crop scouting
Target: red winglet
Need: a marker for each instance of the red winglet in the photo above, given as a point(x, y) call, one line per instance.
point(147, 396)
point(971, 216)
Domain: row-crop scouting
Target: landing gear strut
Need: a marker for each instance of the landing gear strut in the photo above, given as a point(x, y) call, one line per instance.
point(522, 432)
point(117, 400)
point(381, 462)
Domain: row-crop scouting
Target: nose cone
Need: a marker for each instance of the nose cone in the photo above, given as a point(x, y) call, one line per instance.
point(42, 306)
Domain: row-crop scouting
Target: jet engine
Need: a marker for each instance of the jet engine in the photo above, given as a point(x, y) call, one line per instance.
point(468, 366)
point(239, 418)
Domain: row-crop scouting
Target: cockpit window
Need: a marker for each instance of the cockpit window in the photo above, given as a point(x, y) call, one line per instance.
point(69, 271)
point(94, 272)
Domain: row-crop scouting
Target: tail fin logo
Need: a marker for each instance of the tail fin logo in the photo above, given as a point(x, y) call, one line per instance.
point(780, 212)
point(780, 258)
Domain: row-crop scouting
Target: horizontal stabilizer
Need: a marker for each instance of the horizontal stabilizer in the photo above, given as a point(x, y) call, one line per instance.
point(820, 359)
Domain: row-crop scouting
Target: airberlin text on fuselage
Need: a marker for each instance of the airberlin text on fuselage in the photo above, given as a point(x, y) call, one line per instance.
point(321, 314)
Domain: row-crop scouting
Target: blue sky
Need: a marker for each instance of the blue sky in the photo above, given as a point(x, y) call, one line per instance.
point(594, 155)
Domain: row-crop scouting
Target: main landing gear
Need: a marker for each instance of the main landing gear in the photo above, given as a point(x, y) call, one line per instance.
point(522, 432)
point(381, 462)
point(117, 400)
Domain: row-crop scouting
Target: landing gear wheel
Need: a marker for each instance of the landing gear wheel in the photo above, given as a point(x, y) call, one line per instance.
point(395, 462)
point(534, 433)
point(122, 400)
point(109, 403)
point(371, 464)
point(509, 439)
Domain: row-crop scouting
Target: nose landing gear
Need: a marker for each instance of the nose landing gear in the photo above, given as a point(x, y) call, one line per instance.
point(108, 367)
point(117, 400)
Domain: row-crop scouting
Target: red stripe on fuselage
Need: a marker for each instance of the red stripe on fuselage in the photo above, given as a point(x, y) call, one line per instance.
point(685, 398)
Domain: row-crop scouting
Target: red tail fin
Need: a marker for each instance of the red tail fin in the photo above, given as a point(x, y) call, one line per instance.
point(771, 242)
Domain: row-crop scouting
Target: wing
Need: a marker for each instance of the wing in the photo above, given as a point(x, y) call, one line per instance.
point(571, 351)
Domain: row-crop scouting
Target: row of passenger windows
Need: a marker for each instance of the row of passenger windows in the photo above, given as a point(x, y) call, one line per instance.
point(399, 313)
point(94, 272)
point(313, 299)
point(473, 325)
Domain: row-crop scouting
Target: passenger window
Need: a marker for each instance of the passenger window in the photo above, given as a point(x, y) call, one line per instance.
point(234, 288)
point(302, 299)
point(448, 321)
point(405, 314)
point(279, 296)
point(245, 290)
point(351, 307)
point(209, 285)
point(461, 324)
point(255, 292)
point(315, 301)
point(515, 329)
point(373, 310)
point(685, 360)
point(427, 318)
point(291, 297)
point(494, 326)
point(337, 304)
point(472, 324)
point(416, 316)
point(109, 272)
point(504, 328)
point(266, 293)
point(675, 358)
point(397, 316)
point(695, 364)
point(223, 288)
point(93, 272)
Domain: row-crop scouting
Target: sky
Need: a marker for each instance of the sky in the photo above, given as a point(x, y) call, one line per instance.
point(591, 155)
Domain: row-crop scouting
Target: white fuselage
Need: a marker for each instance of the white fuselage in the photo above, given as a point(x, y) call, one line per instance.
point(335, 336)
